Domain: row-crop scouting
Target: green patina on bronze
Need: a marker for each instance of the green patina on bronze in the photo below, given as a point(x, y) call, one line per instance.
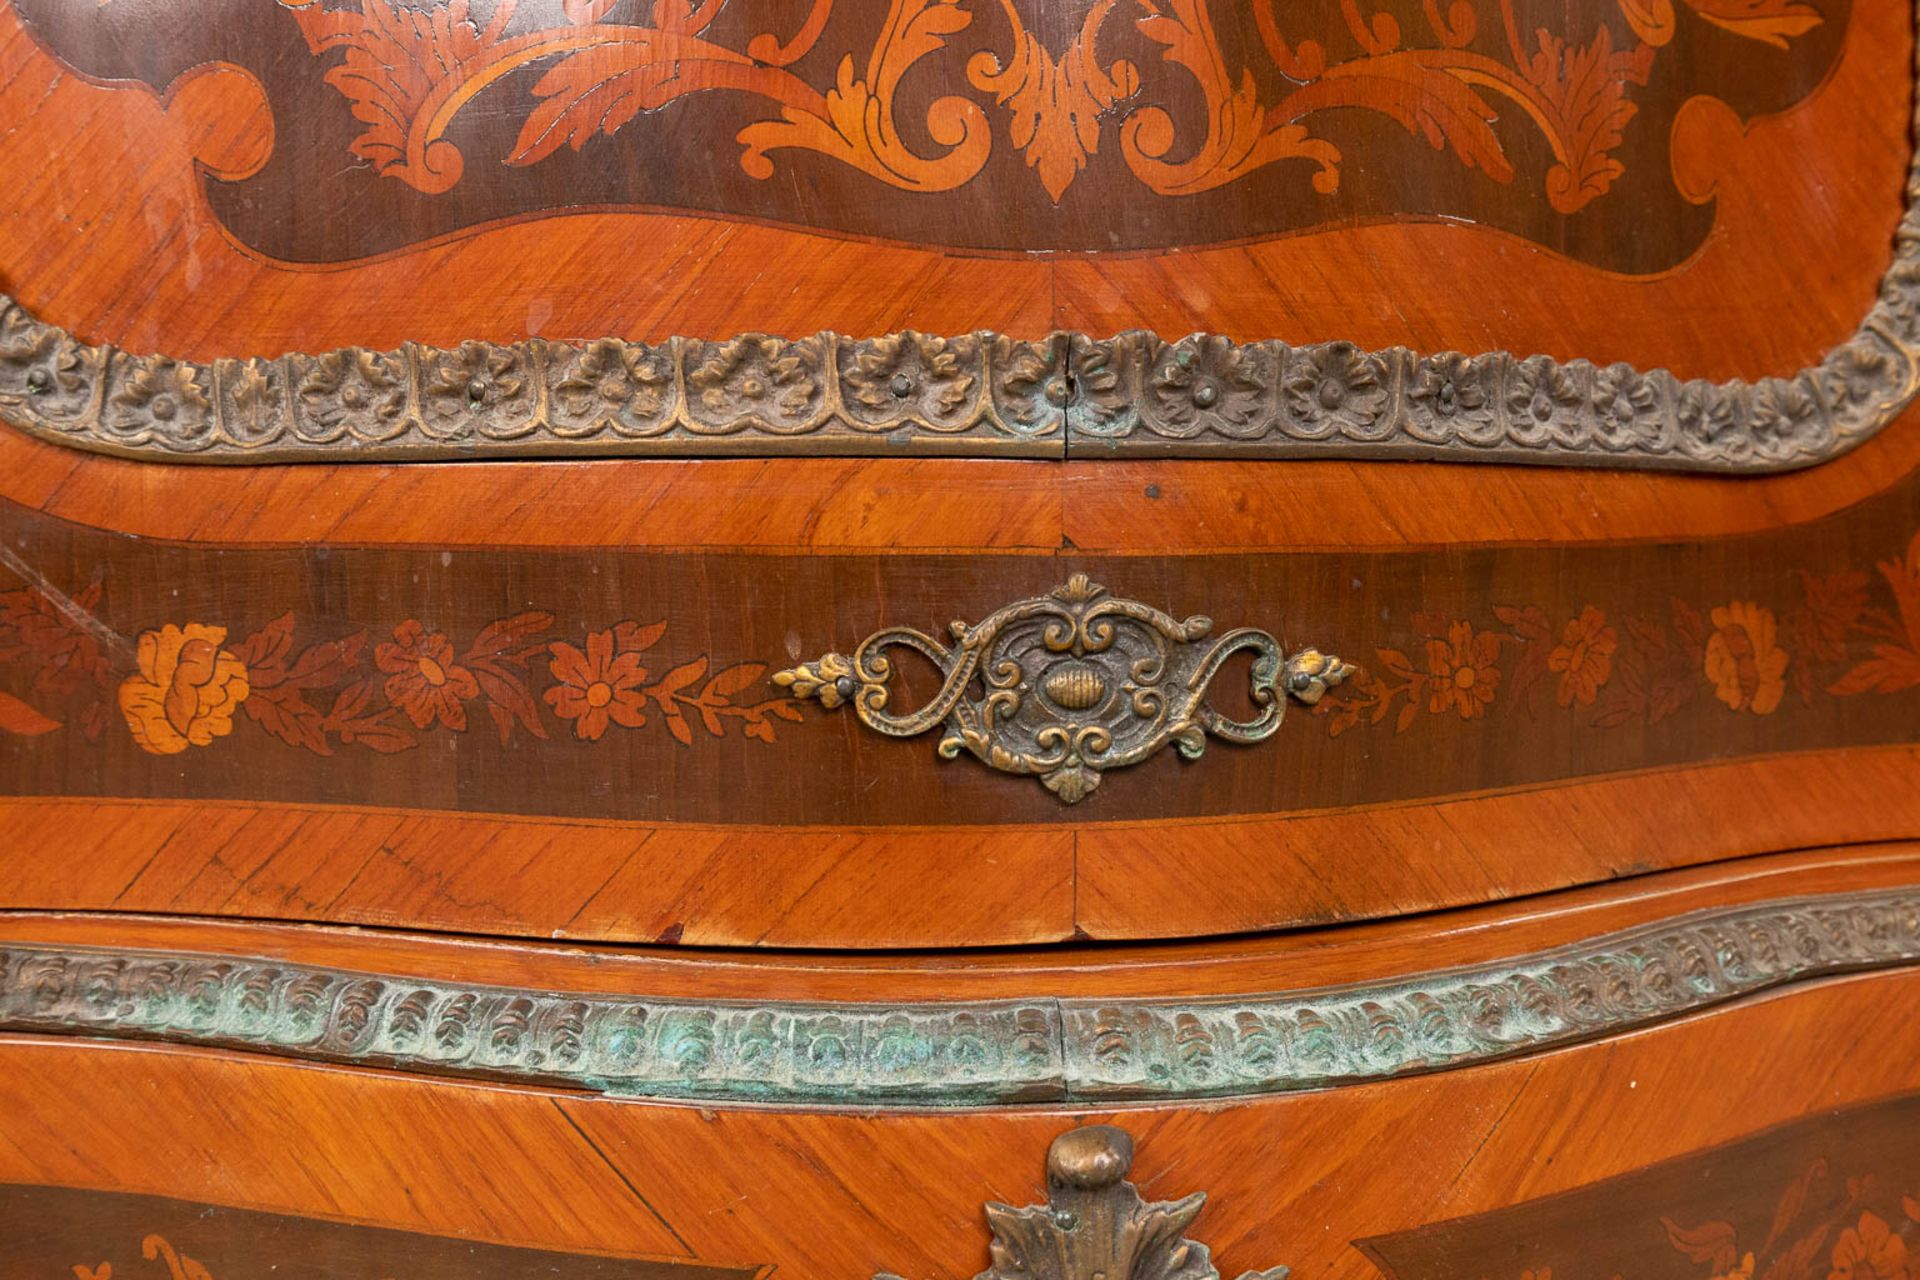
point(1044, 1049)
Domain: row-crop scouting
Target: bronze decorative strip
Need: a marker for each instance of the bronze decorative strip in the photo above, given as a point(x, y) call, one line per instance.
point(983, 394)
point(980, 395)
point(960, 1054)
point(1270, 1044)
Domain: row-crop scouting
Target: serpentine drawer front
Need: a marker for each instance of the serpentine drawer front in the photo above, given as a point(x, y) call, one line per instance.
point(912, 639)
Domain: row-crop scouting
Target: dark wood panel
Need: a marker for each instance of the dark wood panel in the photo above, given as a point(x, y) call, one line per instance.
point(95, 1234)
point(635, 686)
point(1016, 127)
point(1831, 1193)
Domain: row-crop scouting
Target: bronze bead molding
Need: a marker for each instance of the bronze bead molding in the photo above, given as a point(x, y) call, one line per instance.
point(1071, 684)
point(1042, 1049)
point(1096, 1225)
point(1066, 395)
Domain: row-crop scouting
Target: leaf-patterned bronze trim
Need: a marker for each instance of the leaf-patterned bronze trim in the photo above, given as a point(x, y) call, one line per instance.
point(961, 1053)
point(980, 394)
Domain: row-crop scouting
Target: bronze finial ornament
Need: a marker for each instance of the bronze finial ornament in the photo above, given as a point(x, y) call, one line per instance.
point(1095, 1226)
point(1071, 684)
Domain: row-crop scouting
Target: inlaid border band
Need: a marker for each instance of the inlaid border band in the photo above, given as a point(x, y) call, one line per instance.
point(982, 394)
point(962, 1054)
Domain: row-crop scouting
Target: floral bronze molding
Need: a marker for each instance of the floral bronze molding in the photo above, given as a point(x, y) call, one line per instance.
point(983, 394)
point(960, 1053)
point(978, 395)
point(1071, 684)
point(1095, 1224)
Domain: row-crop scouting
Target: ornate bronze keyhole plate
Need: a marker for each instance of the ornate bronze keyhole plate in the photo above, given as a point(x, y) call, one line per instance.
point(1071, 684)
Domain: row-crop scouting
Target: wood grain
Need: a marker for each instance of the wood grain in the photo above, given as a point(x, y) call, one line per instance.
point(1819, 183)
point(866, 888)
point(794, 506)
point(109, 234)
point(838, 1195)
point(1379, 952)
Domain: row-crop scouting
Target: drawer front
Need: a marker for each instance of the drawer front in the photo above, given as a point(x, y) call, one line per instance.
point(1639, 1154)
point(1822, 1192)
point(645, 744)
point(779, 670)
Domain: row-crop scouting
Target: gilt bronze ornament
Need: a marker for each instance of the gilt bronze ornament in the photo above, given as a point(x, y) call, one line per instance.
point(1095, 1226)
point(1067, 685)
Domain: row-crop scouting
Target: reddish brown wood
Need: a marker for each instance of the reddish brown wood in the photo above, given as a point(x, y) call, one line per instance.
point(533, 877)
point(108, 230)
point(933, 887)
point(1371, 952)
point(1824, 176)
point(822, 1194)
point(1819, 183)
point(791, 505)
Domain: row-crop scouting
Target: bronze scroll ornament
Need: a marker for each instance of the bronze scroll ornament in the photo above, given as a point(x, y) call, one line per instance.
point(1070, 684)
point(1095, 1226)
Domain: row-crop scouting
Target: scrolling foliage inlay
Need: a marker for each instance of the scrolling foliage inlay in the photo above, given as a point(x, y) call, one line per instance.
point(1070, 684)
point(1111, 124)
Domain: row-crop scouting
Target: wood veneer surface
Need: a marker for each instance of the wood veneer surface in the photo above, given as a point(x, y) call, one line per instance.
point(824, 1194)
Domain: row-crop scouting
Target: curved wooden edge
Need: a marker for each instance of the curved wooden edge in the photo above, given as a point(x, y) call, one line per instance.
point(1209, 877)
point(805, 506)
point(834, 1194)
point(1062, 396)
point(1382, 951)
point(928, 887)
point(1528, 977)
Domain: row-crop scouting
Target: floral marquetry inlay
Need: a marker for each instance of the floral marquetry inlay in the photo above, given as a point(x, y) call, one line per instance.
point(184, 686)
point(1838, 633)
point(1832, 1195)
point(70, 1233)
point(1787, 644)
